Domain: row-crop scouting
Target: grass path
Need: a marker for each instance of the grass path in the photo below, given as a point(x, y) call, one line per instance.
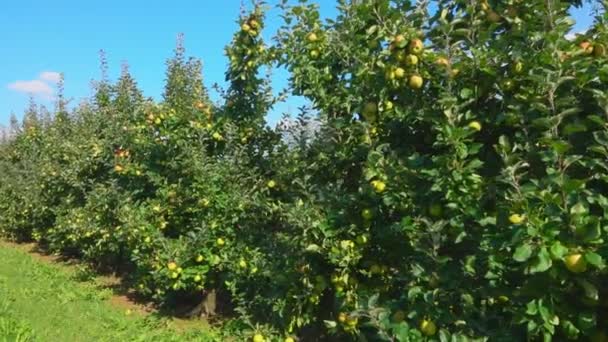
point(42, 301)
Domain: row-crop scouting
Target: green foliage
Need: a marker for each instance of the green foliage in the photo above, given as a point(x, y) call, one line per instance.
point(454, 189)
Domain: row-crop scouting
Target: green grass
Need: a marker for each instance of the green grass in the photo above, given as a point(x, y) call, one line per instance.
point(40, 301)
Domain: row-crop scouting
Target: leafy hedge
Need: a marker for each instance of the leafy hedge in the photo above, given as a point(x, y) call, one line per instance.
point(450, 181)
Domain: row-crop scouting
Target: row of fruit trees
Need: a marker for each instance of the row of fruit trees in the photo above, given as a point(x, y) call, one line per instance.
point(449, 182)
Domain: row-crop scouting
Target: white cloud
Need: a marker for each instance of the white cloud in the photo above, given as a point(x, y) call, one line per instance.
point(50, 76)
point(34, 87)
point(43, 86)
point(572, 35)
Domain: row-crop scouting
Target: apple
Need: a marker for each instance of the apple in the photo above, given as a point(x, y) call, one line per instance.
point(379, 186)
point(518, 67)
point(435, 210)
point(388, 105)
point(416, 46)
point(369, 111)
point(475, 125)
point(415, 82)
point(442, 61)
point(398, 39)
point(493, 16)
point(362, 239)
point(398, 316)
point(599, 50)
point(428, 328)
point(575, 263)
point(399, 73)
point(367, 214)
point(586, 47)
point(352, 321)
point(517, 218)
point(411, 60)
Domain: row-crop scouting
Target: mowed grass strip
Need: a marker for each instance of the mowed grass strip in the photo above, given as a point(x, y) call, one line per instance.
point(43, 302)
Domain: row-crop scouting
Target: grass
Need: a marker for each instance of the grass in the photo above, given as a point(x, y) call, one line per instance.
point(41, 301)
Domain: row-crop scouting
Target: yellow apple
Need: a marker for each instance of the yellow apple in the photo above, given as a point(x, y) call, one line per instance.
point(442, 61)
point(399, 73)
point(475, 125)
point(388, 105)
point(428, 327)
point(379, 186)
point(575, 263)
point(517, 218)
point(411, 60)
point(415, 82)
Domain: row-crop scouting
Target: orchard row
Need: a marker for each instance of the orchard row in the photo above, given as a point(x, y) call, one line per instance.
point(448, 181)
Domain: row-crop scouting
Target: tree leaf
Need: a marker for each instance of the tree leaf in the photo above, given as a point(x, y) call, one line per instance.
point(313, 248)
point(558, 250)
point(542, 262)
point(330, 324)
point(595, 259)
point(578, 209)
point(591, 291)
point(522, 253)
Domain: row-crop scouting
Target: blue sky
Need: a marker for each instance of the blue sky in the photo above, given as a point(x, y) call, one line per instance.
point(41, 38)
